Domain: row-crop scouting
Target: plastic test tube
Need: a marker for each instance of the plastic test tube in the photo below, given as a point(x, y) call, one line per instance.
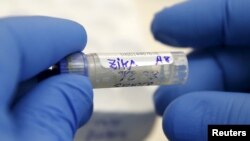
point(106, 70)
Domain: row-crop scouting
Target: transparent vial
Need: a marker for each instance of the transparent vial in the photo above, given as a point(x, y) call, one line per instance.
point(106, 70)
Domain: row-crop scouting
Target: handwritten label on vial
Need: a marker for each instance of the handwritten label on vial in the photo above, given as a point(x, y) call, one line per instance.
point(127, 61)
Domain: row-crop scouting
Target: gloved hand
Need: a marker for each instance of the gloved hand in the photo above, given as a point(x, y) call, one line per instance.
point(219, 80)
point(53, 109)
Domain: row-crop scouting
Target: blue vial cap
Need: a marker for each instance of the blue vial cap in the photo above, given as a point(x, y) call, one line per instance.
point(75, 63)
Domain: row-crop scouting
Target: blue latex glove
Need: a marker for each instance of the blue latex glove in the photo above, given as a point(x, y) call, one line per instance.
point(55, 108)
point(219, 79)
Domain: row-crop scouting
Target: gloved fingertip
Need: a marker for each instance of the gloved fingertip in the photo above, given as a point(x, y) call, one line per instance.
point(43, 37)
point(66, 99)
point(191, 23)
point(159, 30)
point(164, 95)
point(183, 119)
point(84, 102)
